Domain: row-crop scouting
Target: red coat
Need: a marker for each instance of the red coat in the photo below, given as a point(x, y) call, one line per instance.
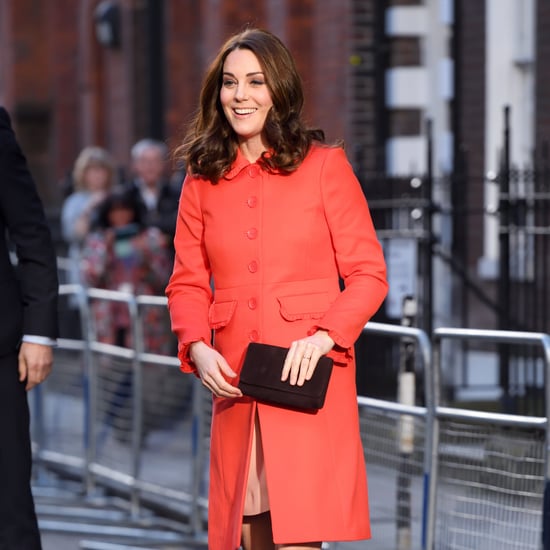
point(275, 246)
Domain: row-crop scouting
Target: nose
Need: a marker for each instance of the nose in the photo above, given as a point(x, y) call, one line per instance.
point(240, 92)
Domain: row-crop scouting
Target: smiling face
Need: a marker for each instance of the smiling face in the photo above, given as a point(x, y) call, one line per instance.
point(246, 100)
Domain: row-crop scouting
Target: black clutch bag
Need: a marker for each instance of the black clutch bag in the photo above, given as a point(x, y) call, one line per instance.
point(261, 378)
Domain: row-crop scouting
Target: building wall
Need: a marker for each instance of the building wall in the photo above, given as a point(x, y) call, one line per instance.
point(366, 108)
point(27, 88)
point(469, 119)
point(63, 89)
point(542, 118)
point(407, 93)
point(66, 90)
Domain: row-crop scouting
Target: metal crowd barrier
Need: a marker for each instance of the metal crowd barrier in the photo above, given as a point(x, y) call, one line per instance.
point(92, 441)
point(401, 445)
point(491, 490)
point(485, 475)
point(89, 425)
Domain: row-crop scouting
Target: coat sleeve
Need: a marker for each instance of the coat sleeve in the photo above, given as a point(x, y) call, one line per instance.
point(189, 292)
point(23, 212)
point(357, 251)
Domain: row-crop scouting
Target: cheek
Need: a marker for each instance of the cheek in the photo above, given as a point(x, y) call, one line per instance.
point(224, 98)
point(225, 107)
point(267, 109)
point(267, 99)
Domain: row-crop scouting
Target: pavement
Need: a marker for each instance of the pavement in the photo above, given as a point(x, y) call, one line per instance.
point(116, 532)
point(70, 521)
point(60, 541)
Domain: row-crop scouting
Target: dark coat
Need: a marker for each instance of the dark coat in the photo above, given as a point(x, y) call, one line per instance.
point(28, 292)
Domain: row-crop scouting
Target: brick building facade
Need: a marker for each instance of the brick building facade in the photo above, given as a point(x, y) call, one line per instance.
point(67, 90)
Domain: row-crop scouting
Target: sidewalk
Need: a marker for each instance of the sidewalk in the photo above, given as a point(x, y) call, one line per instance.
point(69, 523)
point(381, 487)
point(55, 541)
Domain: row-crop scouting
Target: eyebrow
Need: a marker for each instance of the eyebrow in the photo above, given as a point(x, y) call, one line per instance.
point(248, 74)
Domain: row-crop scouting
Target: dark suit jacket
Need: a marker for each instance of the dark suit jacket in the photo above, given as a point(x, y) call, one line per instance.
point(28, 293)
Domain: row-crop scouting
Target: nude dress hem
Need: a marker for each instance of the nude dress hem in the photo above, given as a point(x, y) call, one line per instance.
point(256, 497)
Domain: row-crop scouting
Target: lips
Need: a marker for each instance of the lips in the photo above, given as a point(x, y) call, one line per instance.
point(244, 111)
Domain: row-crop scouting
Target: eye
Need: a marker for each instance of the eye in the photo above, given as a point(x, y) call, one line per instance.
point(257, 82)
point(228, 83)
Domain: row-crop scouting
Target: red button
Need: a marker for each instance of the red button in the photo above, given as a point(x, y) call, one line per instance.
point(252, 233)
point(253, 335)
point(253, 170)
point(252, 303)
point(253, 266)
point(252, 202)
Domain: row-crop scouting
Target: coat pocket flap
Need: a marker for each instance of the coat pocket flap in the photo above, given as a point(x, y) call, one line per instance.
point(220, 313)
point(304, 306)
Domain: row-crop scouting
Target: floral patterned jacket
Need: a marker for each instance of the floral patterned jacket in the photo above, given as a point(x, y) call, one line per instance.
point(135, 261)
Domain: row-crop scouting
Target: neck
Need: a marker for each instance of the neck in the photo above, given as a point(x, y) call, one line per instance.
point(252, 149)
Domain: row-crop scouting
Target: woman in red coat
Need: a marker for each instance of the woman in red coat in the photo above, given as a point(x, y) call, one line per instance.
point(270, 220)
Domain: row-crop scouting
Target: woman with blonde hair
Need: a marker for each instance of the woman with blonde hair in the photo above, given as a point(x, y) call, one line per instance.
point(94, 175)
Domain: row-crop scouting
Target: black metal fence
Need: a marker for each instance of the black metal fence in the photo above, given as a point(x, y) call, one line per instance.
point(424, 221)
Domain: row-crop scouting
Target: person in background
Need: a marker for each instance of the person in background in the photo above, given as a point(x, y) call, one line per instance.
point(123, 253)
point(28, 330)
point(94, 175)
point(159, 194)
point(271, 218)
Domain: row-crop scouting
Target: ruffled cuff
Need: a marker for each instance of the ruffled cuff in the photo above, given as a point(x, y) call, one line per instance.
point(186, 365)
point(342, 352)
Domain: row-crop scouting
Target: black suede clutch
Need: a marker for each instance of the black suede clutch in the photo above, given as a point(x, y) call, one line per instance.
point(261, 378)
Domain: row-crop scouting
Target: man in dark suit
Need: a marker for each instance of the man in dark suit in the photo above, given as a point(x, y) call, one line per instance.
point(28, 329)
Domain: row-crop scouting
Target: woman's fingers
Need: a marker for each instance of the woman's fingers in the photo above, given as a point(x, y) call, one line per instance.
point(225, 388)
point(309, 368)
point(213, 369)
point(217, 384)
point(303, 356)
point(220, 387)
point(288, 363)
point(300, 362)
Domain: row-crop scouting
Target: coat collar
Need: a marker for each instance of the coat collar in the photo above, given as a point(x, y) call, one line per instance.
point(239, 164)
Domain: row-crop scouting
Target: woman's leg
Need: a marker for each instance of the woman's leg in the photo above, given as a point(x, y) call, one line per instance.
point(256, 532)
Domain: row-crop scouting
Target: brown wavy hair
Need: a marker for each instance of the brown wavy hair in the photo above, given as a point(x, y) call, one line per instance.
point(210, 145)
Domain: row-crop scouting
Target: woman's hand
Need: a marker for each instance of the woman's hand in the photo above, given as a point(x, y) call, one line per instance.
point(303, 356)
point(211, 367)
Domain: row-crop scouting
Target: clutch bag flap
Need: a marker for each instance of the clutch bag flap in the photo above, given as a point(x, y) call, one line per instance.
point(260, 378)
